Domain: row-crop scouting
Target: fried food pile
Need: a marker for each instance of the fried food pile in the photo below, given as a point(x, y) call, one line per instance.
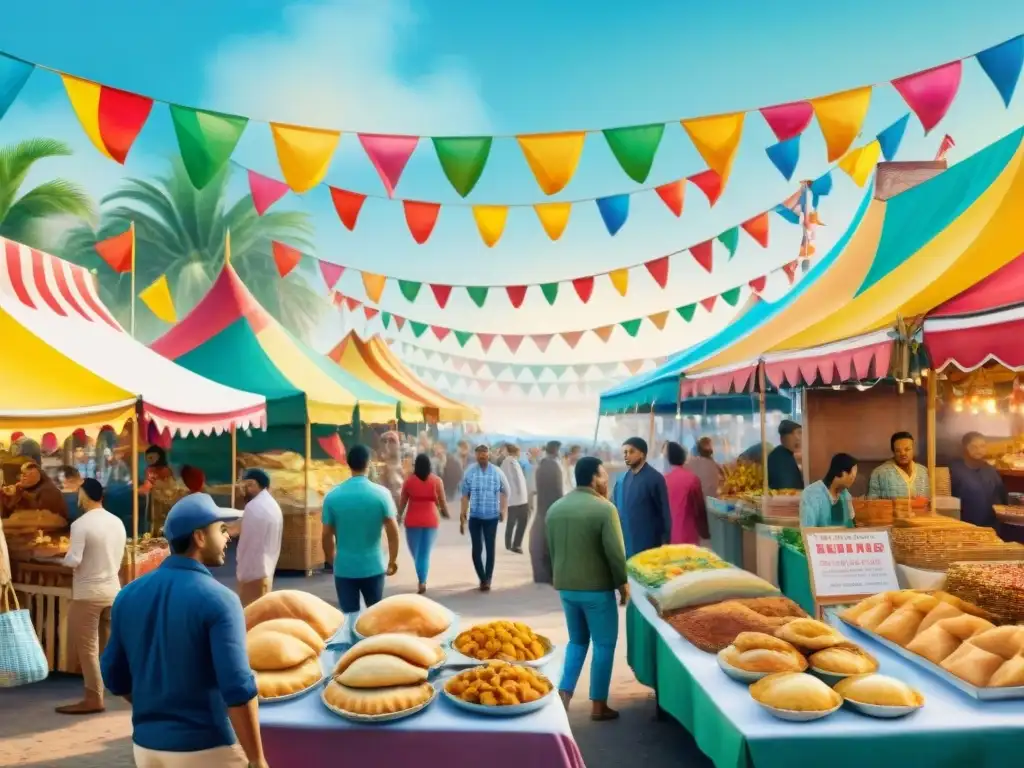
point(502, 640)
point(499, 684)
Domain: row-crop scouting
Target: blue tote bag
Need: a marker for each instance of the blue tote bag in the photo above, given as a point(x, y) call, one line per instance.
point(22, 660)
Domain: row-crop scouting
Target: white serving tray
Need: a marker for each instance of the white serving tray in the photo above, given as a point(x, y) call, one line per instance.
point(457, 659)
point(506, 711)
point(388, 718)
point(288, 697)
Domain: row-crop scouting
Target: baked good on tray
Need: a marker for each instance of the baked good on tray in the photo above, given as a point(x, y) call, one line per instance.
point(879, 690)
point(297, 628)
point(503, 640)
point(795, 692)
point(758, 652)
point(276, 683)
point(406, 614)
point(295, 604)
point(406, 647)
point(714, 627)
point(809, 634)
point(376, 701)
point(272, 651)
point(379, 670)
point(843, 660)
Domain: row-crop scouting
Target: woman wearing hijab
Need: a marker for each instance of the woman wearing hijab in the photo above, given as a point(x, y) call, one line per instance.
point(421, 499)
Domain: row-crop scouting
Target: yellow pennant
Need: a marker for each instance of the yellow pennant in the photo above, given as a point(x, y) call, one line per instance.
point(303, 153)
point(553, 157)
point(859, 163)
point(553, 217)
point(490, 221)
point(374, 285)
point(840, 117)
point(658, 319)
point(157, 296)
point(84, 96)
point(717, 138)
point(620, 279)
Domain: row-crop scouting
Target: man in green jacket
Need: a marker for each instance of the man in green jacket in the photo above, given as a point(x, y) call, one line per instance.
point(589, 564)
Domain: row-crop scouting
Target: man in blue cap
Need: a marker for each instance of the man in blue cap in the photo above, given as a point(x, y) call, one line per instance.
point(177, 651)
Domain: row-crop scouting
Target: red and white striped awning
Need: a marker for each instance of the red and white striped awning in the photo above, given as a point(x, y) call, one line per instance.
point(970, 342)
point(857, 359)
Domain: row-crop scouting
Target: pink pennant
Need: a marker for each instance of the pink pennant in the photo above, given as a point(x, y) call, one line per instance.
point(370, 312)
point(485, 339)
point(709, 302)
point(512, 342)
point(389, 154)
point(790, 270)
point(788, 120)
point(930, 93)
point(265, 191)
point(542, 340)
point(332, 273)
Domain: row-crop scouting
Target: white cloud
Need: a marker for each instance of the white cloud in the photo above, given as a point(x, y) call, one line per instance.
point(336, 65)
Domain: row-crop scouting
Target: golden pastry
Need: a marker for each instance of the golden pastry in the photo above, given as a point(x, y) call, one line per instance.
point(1009, 675)
point(902, 625)
point(376, 701)
point(287, 681)
point(972, 664)
point(758, 652)
point(934, 643)
point(795, 692)
point(844, 660)
point(499, 684)
point(297, 628)
point(379, 670)
point(272, 651)
point(411, 649)
point(809, 635)
point(405, 614)
point(295, 604)
point(879, 690)
point(1005, 641)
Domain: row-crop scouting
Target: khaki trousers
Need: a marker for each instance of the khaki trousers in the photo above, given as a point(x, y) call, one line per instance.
point(250, 591)
point(219, 757)
point(89, 627)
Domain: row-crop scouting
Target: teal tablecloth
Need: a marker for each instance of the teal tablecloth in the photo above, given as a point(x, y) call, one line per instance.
point(951, 731)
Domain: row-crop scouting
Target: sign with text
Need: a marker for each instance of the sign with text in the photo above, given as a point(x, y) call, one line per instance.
point(847, 564)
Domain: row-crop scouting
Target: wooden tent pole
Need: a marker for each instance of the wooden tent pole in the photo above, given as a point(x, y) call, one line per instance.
point(135, 492)
point(932, 390)
point(233, 477)
point(763, 405)
point(805, 455)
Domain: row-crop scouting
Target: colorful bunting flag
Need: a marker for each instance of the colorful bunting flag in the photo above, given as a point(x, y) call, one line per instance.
point(716, 138)
point(708, 182)
point(659, 319)
point(490, 222)
point(418, 329)
point(784, 156)
point(389, 155)
point(604, 332)
point(709, 303)
point(463, 337)
point(687, 312)
point(118, 251)
point(634, 147)
point(550, 291)
point(440, 332)
point(331, 273)
point(1002, 63)
point(584, 287)
point(614, 212)
point(410, 289)
point(658, 268)
point(757, 285)
point(441, 294)
point(347, 205)
point(757, 228)
point(732, 296)
point(420, 218)
point(463, 159)
point(859, 163)
point(632, 327)
point(788, 120)
point(790, 270)
point(730, 238)
point(14, 73)
point(553, 157)
point(374, 286)
point(370, 312)
point(672, 195)
point(633, 366)
point(512, 342)
point(542, 340)
point(930, 93)
point(157, 296)
point(485, 339)
point(287, 258)
point(890, 138)
point(205, 141)
point(111, 118)
point(478, 294)
point(703, 254)
point(553, 217)
point(840, 117)
point(620, 280)
point(304, 154)
point(265, 191)
point(516, 294)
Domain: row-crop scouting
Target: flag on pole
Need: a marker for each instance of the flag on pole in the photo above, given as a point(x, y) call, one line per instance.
point(946, 145)
point(157, 296)
point(118, 251)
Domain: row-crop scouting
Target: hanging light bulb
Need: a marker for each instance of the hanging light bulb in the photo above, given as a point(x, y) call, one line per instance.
point(990, 405)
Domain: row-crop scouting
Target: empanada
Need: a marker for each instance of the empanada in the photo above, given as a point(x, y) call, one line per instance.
point(1008, 675)
point(796, 692)
point(295, 604)
point(764, 660)
point(748, 641)
point(377, 701)
point(880, 690)
point(875, 615)
point(844, 660)
point(944, 610)
point(287, 681)
point(934, 644)
point(272, 651)
point(412, 649)
point(405, 614)
point(972, 664)
point(809, 634)
point(380, 670)
point(902, 625)
point(1005, 641)
point(297, 628)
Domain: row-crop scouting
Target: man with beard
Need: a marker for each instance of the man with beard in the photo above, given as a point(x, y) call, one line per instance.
point(641, 497)
point(177, 652)
point(34, 490)
point(549, 490)
point(259, 544)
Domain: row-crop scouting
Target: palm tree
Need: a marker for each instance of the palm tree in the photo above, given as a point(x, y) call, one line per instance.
point(21, 218)
point(180, 232)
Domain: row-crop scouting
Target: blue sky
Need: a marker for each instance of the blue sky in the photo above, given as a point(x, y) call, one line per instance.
point(453, 67)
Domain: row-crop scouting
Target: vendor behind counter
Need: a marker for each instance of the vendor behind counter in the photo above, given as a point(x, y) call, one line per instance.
point(34, 490)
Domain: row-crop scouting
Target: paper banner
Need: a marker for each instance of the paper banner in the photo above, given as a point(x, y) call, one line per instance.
point(485, 339)
point(659, 319)
point(634, 147)
point(418, 329)
point(463, 159)
point(604, 332)
point(304, 154)
point(490, 222)
point(265, 191)
point(757, 228)
point(542, 340)
point(708, 303)
point(620, 280)
point(385, 319)
point(784, 156)
point(157, 296)
point(117, 251)
point(672, 195)
point(632, 327)
point(1002, 63)
point(14, 73)
point(731, 297)
point(708, 182)
point(374, 286)
point(347, 205)
point(440, 332)
point(463, 337)
point(399, 321)
point(584, 287)
point(757, 285)
point(331, 273)
point(859, 163)
point(421, 218)
point(658, 268)
point(572, 338)
point(687, 312)
point(840, 117)
point(205, 141)
point(286, 258)
point(553, 157)
point(703, 254)
point(788, 120)
point(614, 212)
point(441, 294)
point(516, 294)
point(410, 289)
point(389, 155)
point(890, 138)
point(730, 238)
point(550, 292)
point(512, 342)
point(478, 294)
point(930, 93)
point(110, 118)
point(716, 138)
point(370, 312)
point(553, 217)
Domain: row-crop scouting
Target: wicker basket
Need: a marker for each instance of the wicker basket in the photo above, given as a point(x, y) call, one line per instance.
point(936, 547)
point(996, 587)
point(302, 546)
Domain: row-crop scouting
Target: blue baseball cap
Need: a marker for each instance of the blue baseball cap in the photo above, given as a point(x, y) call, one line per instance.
point(195, 511)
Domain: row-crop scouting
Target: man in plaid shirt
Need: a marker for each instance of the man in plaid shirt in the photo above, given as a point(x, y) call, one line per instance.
point(485, 504)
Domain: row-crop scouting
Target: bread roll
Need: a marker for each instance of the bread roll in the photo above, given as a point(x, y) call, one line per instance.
point(377, 701)
point(405, 614)
point(844, 660)
point(809, 634)
point(764, 660)
point(271, 651)
point(295, 604)
point(287, 681)
point(297, 628)
point(796, 692)
point(880, 690)
point(411, 649)
point(748, 641)
point(380, 671)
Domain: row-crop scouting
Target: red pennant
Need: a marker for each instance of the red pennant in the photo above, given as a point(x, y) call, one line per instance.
point(285, 257)
point(659, 270)
point(757, 228)
point(337, 299)
point(931, 93)
point(672, 195)
point(332, 273)
point(399, 321)
point(790, 270)
point(348, 205)
point(572, 338)
point(708, 182)
point(709, 302)
point(758, 283)
point(788, 120)
point(370, 312)
point(485, 339)
point(265, 191)
point(440, 332)
point(703, 253)
point(441, 294)
point(584, 287)
point(516, 294)
point(457, 363)
point(421, 218)
point(352, 304)
point(117, 251)
point(542, 340)
point(512, 342)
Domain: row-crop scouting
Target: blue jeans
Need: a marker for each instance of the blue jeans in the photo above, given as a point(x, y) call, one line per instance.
point(371, 588)
point(421, 544)
point(482, 534)
point(590, 616)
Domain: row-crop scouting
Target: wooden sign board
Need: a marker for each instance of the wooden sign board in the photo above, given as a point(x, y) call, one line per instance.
point(848, 564)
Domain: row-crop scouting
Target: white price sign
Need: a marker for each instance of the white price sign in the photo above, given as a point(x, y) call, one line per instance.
point(847, 564)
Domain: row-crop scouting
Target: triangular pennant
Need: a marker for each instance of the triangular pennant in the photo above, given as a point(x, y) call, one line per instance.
point(562, 390)
point(553, 157)
point(205, 141)
point(441, 294)
point(572, 338)
point(672, 195)
point(930, 93)
point(659, 270)
point(485, 339)
point(787, 213)
point(418, 329)
point(285, 257)
point(14, 73)
point(716, 137)
point(421, 218)
point(553, 217)
point(704, 254)
point(348, 205)
point(620, 280)
point(304, 154)
point(1002, 63)
point(558, 370)
point(633, 366)
point(730, 239)
point(385, 319)
point(478, 293)
point(581, 369)
point(708, 182)
point(389, 155)
point(757, 228)
point(840, 117)
point(462, 159)
point(111, 118)
point(859, 163)
point(821, 186)
point(331, 273)
point(497, 369)
point(687, 311)
point(788, 120)
point(732, 296)
point(265, 191)
point(399, 321)
point(709, 303)
point(790, 270)
point(632, 327)
point(659, 319)
point(584, 287)
point(374, 285)
point(758, 284)
point(544, 387)
point(157, 296)
point(512, 342)
point(550, 291)
point(370, 312)
point(542, 340)
point(475, 366)
point(410, 289)
point(117, 251)
point(504, 387)
point(463, 337)
point(890, 138)
point(604, 332)
point(440, 332)
point(634, 147)
point(614, 212)
point(516, 294)
point(784, 156)
point(609, 369)
point(490, 222)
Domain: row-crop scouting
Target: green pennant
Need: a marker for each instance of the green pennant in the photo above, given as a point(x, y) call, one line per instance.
point(385, 319)
point(478, 293)
point(498, 368)
point(730, 239)
point(418, 329)
point(463, 159)
point(536, 370)
point(687, 312)
point(410, 289)
point(463, 337)
point(205, 141)
point(544, 387)
point(732, 296)
point(632, 327)
point(634, 147)
point(550, 291)
point(558, 370)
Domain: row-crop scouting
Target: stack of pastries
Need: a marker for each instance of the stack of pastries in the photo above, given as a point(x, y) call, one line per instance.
point(758, 652)
point(795, 692)
point(383, 675)
point(404, 614)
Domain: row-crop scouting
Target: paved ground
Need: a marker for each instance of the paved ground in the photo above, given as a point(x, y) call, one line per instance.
point(31, 734)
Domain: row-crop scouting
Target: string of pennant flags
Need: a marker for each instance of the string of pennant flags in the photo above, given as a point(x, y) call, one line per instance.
point(113, 118)
point(461, 385)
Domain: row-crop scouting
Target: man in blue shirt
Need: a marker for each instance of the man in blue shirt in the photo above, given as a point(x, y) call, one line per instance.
point(354, 514)
point(485, 504)
point(177, 651)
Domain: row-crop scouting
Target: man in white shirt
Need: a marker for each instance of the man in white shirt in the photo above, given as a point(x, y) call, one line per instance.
point(259, 545)
point(97, 549)
point(518, 500)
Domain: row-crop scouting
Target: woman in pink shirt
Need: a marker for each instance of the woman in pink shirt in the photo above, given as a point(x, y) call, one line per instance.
point(685, 499)
point(421, 501)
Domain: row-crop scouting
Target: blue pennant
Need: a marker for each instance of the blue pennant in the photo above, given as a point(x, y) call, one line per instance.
point(1002, 63)
point(13, 75)
point(890, 138)
point(614, 210)
point(821, 187)
point(785, 155)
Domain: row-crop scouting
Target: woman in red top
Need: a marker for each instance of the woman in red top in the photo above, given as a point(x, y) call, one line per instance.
point(418, 507)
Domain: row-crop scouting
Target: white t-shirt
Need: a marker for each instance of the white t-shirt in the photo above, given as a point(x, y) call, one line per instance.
point(98, 539)
point(259, 545)
point(518, 493)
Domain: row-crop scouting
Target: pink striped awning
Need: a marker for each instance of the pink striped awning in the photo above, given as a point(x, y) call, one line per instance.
point(866, 357)
point(719, 382)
